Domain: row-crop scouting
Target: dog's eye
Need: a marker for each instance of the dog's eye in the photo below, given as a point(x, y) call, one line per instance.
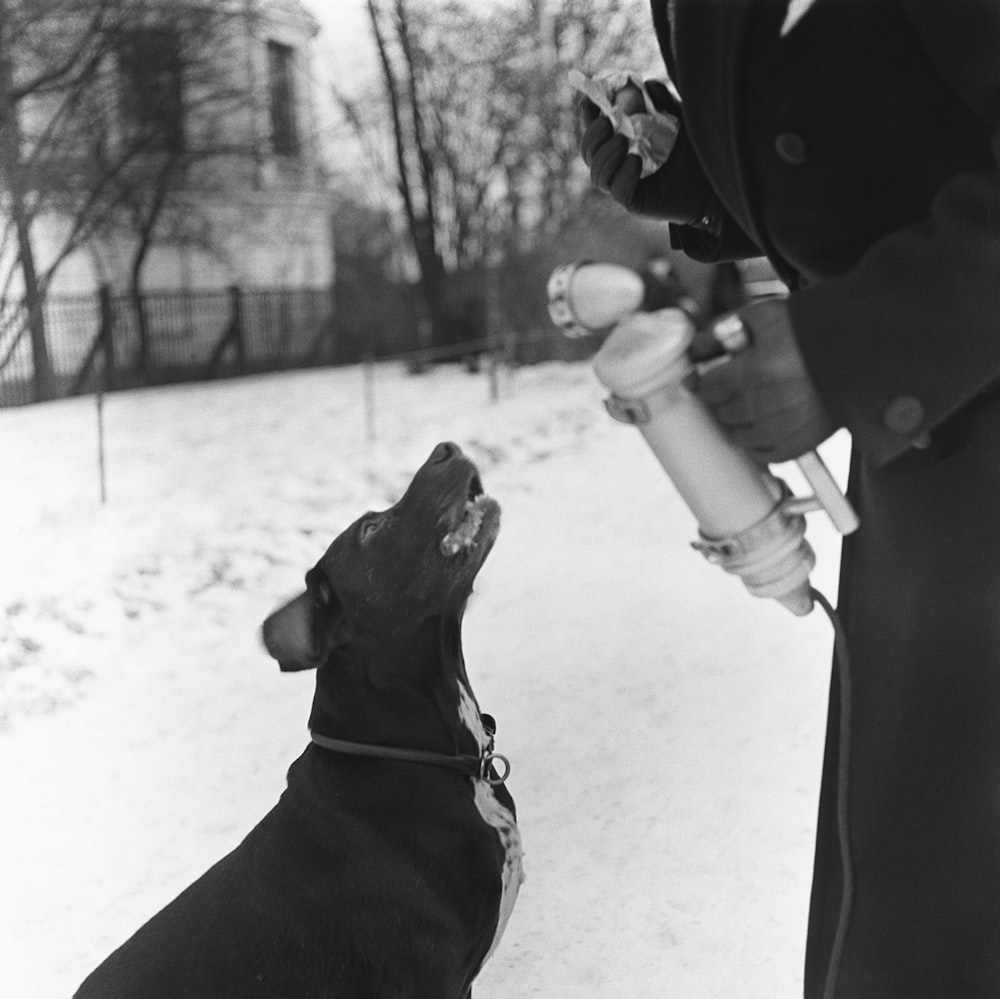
point(368, 528)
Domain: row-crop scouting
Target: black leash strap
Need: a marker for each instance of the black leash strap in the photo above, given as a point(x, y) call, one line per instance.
point(843, 790)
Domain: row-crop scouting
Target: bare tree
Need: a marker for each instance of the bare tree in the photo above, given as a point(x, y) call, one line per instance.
point(180, 66)
point(392, 32)
point(109, 112)
point(476, 105)
point(52, 70)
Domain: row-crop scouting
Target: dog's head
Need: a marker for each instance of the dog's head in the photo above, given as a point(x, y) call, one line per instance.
point(391, 571)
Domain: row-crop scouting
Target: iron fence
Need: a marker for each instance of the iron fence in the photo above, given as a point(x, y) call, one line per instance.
point(112, 341)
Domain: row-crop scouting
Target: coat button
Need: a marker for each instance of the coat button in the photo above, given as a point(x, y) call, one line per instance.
point(791, 147)
point(904, 415)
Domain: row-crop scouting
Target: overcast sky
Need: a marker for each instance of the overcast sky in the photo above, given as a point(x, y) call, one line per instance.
point(344, 29)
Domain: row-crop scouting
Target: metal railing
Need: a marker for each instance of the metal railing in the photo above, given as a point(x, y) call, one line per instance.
point(107, 341)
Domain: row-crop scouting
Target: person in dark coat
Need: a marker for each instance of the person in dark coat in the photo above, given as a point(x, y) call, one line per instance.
point(856, 145)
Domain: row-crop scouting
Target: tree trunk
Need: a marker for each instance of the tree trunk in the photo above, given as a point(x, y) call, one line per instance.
point(145, 229)
point(419, 223)
point(13, 177)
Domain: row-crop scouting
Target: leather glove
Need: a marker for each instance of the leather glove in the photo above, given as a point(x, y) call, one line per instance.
point(762, 395)
point(677, 192)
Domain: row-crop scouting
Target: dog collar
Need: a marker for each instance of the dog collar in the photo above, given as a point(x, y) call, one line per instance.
point(481, 767)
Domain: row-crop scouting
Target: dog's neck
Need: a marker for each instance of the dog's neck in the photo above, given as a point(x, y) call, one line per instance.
point(408, 690)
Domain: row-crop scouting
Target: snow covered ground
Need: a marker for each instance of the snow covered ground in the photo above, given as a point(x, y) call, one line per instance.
point(665, 728)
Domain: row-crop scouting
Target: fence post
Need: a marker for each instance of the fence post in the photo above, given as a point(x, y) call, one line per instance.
point(491, 310)
point(137, 303)
point(236, 325)
point(493, 362)
point(101, 475)
point(106, 381)
point(368, 366)
point(106, 336)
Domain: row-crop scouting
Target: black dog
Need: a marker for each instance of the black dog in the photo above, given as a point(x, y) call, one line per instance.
point(390, 864)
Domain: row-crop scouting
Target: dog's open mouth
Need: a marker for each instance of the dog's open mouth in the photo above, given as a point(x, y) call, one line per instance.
point(480, 516)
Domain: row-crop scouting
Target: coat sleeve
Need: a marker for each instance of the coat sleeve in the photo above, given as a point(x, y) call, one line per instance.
point(718, 240)
point(717, 237)
point(911, 334)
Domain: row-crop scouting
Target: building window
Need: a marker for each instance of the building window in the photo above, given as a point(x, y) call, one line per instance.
point(150, 66)
point(281, 84)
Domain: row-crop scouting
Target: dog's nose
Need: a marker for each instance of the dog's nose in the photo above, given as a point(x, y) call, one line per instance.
point(445, 451)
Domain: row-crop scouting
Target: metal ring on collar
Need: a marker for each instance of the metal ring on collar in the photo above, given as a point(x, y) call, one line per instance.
point(487, 761)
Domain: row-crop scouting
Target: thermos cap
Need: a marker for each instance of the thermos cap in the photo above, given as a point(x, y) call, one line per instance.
point(645, 352)
point(588, 297)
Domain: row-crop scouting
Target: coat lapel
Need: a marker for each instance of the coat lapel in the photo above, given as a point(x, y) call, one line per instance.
point(708, 43)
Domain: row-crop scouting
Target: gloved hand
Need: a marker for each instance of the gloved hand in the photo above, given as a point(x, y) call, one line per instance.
point(677, 192)
point(762, 394)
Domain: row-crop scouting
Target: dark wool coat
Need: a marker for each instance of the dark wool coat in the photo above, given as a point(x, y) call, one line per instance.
point(859, 152)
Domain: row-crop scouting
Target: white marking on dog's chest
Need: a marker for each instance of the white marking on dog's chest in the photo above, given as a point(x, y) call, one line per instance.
point(468, 714)
point(496, 815)
point(512, 876)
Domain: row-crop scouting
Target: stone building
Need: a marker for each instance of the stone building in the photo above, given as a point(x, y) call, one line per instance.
point(248, 205)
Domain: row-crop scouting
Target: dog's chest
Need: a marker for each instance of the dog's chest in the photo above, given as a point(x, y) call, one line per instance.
point(512, 875)
point(499, 817)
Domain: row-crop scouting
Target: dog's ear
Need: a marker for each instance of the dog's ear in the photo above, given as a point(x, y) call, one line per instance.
point(288, 635)
point(300, 634)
